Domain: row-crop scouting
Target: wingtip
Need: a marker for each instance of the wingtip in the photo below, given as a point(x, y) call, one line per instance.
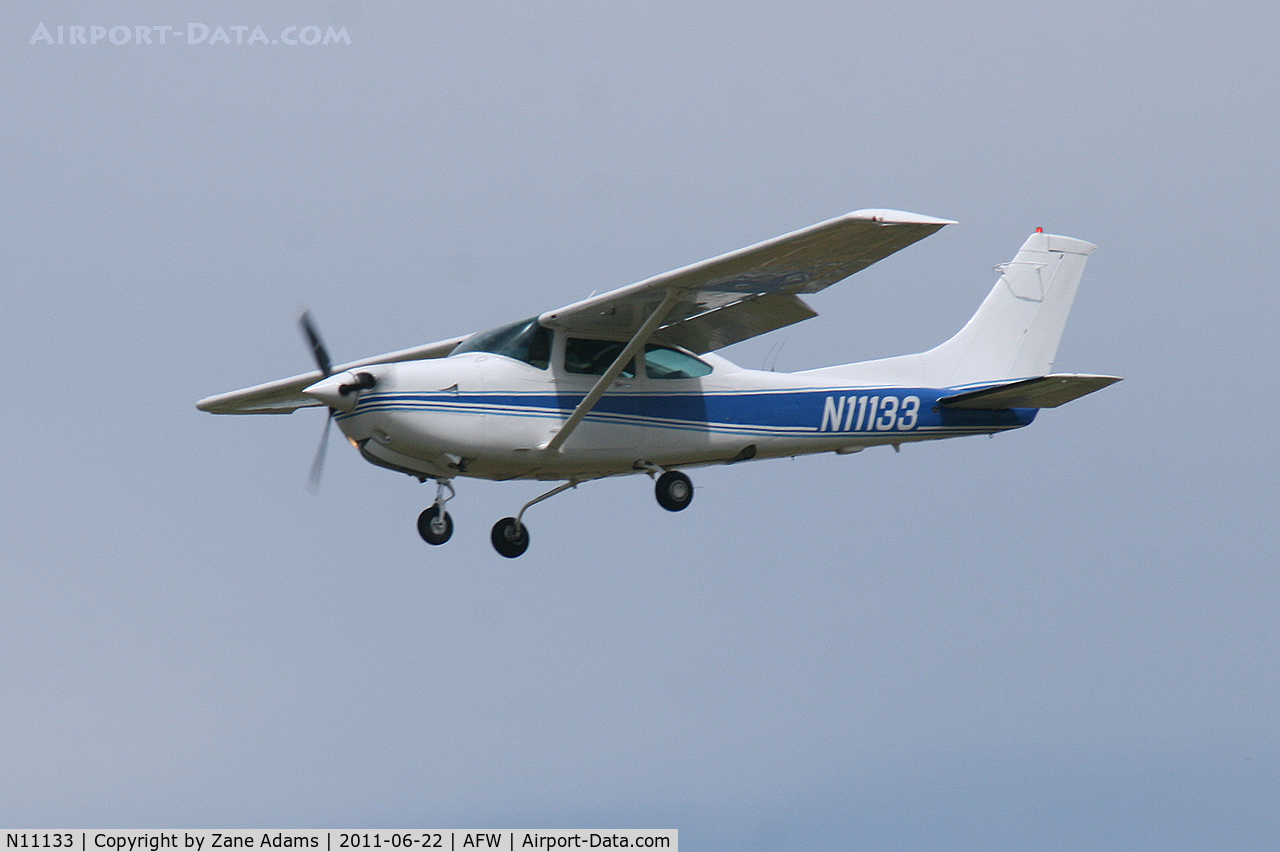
point(898, 217)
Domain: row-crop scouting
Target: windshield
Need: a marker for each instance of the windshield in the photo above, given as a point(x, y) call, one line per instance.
point(525, 341)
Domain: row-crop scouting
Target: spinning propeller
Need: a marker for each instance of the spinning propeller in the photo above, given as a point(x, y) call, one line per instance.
point(318, 350)
point(360, 381)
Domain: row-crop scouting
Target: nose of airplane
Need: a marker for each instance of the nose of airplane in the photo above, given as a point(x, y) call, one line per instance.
point(341, 392)
point(329, 392)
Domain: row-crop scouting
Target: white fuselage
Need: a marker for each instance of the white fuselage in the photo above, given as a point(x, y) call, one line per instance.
point(485, 415)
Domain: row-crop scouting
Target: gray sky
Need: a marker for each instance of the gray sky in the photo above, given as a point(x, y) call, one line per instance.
point(1061, 638)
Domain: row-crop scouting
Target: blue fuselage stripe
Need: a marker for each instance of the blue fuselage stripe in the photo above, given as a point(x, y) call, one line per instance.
point(792, 413)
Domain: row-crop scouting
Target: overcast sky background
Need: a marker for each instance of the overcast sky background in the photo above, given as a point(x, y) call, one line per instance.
point(1061, 638)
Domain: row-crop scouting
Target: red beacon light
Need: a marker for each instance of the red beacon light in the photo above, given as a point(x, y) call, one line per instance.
point(1039, 230)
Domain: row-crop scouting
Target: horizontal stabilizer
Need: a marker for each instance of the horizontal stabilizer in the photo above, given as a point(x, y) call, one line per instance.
point(1044, 392)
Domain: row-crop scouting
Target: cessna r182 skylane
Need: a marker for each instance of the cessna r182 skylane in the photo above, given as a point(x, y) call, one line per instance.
point(625, 382)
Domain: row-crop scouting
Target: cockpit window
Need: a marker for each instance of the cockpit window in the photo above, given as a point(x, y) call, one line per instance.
point(593, 357)
point(525, 341)
point(663, 363)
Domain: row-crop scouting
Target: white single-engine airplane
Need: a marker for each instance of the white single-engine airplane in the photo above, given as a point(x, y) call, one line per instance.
point(625, 382)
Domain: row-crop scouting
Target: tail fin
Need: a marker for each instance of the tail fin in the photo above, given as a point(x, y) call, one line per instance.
point(1015, 333)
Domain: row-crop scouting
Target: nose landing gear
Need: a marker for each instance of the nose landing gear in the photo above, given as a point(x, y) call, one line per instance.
point(434, 524)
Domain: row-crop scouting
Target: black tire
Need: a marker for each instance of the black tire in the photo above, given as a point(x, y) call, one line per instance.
point(509, 538)
point(434, 527)
point(674, 491)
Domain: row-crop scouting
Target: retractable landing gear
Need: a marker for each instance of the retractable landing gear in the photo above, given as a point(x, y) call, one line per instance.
point(434, 524)
point(510, 536)
point(674, 491)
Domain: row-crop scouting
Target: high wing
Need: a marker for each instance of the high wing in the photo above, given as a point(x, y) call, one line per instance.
point(702, 307)
point(730, 298)
point(285, 395)
point(734, 296)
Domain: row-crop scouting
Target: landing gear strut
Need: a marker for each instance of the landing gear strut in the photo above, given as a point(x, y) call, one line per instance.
point(434, 524)
point(510, 536)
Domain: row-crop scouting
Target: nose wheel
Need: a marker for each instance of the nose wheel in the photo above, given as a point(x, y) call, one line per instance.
point(434, 524)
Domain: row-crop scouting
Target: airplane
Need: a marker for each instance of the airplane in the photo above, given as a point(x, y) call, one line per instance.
point(628, 381)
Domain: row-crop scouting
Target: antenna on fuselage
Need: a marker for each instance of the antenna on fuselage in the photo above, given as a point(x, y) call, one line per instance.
point(771, 357)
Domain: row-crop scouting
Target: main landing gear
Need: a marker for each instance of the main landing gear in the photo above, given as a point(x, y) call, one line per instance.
point(510, 536)
point(674, 491)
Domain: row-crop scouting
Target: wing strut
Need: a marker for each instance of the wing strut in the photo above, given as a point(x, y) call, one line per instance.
point(628, 352)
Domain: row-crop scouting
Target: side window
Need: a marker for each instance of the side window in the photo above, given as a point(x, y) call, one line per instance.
point(663, 363)
point(593, 357)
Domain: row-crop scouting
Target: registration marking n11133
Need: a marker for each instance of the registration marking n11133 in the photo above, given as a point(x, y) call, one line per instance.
point(867, 413)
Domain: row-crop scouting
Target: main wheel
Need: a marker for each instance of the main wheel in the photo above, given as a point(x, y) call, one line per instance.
point(674, 491)
point(510, 538)
point(435, 526)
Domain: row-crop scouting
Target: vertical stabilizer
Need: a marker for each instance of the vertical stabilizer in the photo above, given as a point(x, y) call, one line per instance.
point(1015, 333)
